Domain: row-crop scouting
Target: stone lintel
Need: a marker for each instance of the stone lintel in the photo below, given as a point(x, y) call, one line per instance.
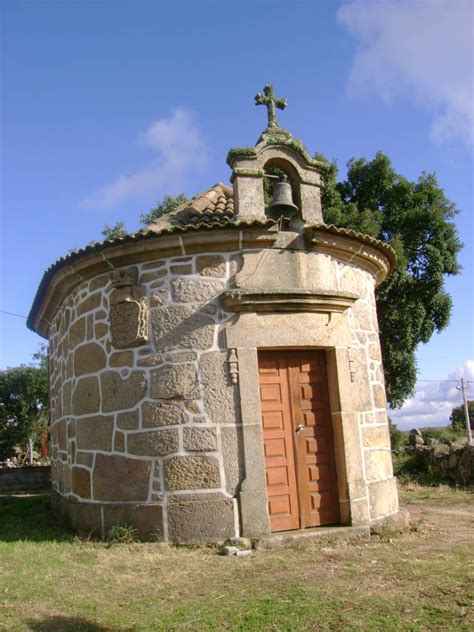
point(287, 301)
point(248, 172)
point(254, 158)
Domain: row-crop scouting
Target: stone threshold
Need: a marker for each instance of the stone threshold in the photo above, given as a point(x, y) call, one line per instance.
point(315, 535)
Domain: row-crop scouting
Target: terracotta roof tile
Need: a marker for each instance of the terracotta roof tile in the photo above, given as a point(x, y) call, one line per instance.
point(215, 204)
point(212, 209)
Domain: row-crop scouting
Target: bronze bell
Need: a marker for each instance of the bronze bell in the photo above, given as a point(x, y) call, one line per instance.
point(282, 202)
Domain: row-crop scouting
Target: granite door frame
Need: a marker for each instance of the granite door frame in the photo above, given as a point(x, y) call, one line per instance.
point(251, 332)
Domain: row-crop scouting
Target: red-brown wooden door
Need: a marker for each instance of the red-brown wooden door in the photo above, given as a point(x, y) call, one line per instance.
point(298, 440)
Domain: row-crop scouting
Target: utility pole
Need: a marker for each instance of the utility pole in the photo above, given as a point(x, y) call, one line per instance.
point(464, 388)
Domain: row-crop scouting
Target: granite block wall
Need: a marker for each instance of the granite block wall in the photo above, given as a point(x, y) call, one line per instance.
point(145, 414)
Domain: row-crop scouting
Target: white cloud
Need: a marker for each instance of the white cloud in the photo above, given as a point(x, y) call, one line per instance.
point(421, 50)
point(178, 145)
point(433, 401)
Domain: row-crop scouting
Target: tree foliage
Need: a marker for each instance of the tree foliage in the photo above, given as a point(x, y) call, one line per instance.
point(457, 418)
point(116, 231)
point(167, 204)
point(23, 404)
point(397, 437)
point(416, 219)
point(269, 183)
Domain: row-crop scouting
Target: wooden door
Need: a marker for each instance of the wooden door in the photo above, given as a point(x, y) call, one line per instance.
point(278, 445)
point(298, 440)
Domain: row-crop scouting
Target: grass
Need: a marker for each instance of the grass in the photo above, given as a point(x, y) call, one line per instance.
point(421, 580)
point(444, 495)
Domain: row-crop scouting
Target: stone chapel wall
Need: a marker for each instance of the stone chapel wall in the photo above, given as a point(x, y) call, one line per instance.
point(150, 434)
point(152, 428)
point(366, 374)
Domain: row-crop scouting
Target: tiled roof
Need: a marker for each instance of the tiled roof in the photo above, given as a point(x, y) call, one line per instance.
point(216, 204)
point(215, 208)
point(212, 209)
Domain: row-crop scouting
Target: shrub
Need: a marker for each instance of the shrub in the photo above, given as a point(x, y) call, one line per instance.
point(457, 418)
point(446, 435)
point(410, 468)
point(397, 438)
point(121, 534)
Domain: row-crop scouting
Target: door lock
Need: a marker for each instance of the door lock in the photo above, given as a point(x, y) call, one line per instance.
point(299, 427)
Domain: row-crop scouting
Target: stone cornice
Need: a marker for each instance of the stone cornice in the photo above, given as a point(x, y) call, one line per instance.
point(287, 301)
point(67, 273)
point(276, 137)
point(365, 252)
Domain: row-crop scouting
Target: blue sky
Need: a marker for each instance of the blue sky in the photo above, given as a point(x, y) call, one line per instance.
point(107, 106)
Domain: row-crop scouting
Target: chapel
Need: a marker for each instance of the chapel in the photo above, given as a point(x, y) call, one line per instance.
point(218, 373)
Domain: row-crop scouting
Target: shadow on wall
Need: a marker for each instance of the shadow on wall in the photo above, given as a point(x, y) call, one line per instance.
point(69, 624)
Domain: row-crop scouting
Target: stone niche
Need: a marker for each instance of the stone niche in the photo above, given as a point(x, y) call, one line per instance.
point(154, 343)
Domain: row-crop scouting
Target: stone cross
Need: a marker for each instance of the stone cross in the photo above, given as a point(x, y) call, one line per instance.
point(272, 103)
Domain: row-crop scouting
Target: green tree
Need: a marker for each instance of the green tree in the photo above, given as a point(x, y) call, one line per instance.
point(397, 437)
point(23, 404)
point(167, 204)
point(457, 418)
point(416, 219)
point(116, 231)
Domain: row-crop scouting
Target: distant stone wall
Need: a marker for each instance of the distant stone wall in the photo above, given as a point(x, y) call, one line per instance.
point(24, 479)
point(451, 463)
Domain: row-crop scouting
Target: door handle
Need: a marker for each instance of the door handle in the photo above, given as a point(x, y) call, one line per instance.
point(299, 427)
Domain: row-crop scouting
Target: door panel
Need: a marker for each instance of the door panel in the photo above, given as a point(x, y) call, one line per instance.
point(300, 466)
point(314, 446)
point(278, 443)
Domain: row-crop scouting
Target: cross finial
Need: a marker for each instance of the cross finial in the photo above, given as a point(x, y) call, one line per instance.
point(268, 99)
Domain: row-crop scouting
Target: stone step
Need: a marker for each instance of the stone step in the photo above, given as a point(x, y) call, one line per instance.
point(319, 535)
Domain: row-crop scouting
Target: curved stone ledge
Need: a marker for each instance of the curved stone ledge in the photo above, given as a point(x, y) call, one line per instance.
point(365, 253)
point(287, 301)
point(67, 273)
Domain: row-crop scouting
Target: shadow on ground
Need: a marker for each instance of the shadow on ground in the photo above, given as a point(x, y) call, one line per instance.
point(31, 518)
point(69, 624)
